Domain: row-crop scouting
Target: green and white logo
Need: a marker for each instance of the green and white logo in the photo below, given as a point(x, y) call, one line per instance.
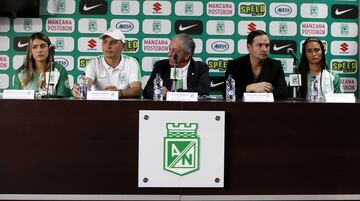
point(220, 27)
point(92, 25)
point(60, 7)
point(156, 26)
point(189, 8)
point(181, 148)
point(28, 24)
point(125, 7)
point(60, 43)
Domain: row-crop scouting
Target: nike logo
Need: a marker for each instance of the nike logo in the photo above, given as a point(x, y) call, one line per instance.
point(276, 48)
point(86, 8)
point(21, 45)
point(337, 12)
point(212, 85)
point(181, 28)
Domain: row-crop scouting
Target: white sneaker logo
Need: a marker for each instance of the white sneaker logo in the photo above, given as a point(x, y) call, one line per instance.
point(276, 48)
point(212, 85)
point(86, 8)
point(337, 12)
point(21, 45)
point(181, 28)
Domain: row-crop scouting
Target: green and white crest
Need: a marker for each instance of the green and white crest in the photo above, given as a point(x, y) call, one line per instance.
point(181, 148)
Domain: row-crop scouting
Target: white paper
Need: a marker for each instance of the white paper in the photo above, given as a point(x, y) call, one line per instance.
point(18, 94)
point(102, 95)
point(258, 97)
point(182, 96)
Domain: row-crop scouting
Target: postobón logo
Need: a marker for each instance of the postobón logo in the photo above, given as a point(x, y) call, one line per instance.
point(20, 43)
point(344, 66)
point(4, 62)
point(181, 148)
point(281, 46)
point(252, 9)
point(194, 27)
point(344, 11)
point(93, 7)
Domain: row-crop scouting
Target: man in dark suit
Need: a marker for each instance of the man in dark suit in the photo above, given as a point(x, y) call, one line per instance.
point(255, 72)
point(194, 75)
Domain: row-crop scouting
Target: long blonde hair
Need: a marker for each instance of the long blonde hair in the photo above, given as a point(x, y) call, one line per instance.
point(29, 63)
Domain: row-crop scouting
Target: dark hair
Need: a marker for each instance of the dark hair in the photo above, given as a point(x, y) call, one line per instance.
point(304, 65)
point(253, 34)
point(188, 44)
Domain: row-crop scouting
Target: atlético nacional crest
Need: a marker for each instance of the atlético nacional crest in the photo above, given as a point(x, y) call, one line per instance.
point(181, 148)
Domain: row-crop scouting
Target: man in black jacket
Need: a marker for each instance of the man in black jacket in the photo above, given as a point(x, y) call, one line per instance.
point(256, 72)
point(194, 75)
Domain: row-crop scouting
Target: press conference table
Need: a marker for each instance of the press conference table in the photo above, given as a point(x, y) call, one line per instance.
point(69, 146)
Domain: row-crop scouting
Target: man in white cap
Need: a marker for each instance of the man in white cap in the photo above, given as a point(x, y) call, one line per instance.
point(113, 71)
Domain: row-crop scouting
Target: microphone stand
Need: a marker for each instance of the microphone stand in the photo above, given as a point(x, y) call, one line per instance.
point(173, 86)
point(52, 69)
point(295, 88)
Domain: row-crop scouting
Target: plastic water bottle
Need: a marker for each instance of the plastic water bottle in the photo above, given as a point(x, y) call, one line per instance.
point(83, 85)
point(314, 89)
point(230, 89)
point(158, 94)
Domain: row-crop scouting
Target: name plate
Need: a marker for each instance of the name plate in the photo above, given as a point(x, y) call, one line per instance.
point(258, 97)
point(102, 95)
point(340, 98)
point(18, 94)
point(182, 96)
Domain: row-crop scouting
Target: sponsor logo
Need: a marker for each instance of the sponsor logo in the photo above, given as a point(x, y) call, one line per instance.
point(242, 46)
point(217, 64)
point(281, 46)
point(319, 29)
point(198, 46)
point(62, 61)
point(155, 45)
point(125, 26)
point(63, 44)
point(283, 10)
point(4, 62)
point(225, 9)
point(252, 9)
point(92, 43)
point(93, 7)
point(344, 66)
point(287, 64)
point(61, 6)
point(60, 25)
point(220, 46)
point(131, 45)
point(245, 27)
point(344, 11)
point(125, 7)
point(83, 61)
point(282, 28)
point(29, 25)
point(147, 63)
point(194, 27)
point(344, 29)
point(348, 84)
point(157, 26)
point(345, 48)
point(20, 43)
point(189, 8)
point(18, 61)
point(181, 148)
point(223, 27)
point(92, 25)
point(213, 85)
point(157, 8)
point(312, 10)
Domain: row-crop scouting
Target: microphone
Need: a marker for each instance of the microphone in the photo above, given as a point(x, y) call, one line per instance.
point(291, 52)
point(176, 58)
point(51, 55)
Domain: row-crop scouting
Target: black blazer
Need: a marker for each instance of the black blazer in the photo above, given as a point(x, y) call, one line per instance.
point(271, 72)
point(197, 78)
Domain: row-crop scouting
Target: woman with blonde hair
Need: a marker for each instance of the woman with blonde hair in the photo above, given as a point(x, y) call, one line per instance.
point(32, 74)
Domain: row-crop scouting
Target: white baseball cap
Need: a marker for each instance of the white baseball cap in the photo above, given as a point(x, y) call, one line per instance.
point(115, 34)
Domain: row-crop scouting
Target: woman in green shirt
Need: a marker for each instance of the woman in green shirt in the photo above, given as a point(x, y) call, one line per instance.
point(32, 75)
point(314, 73)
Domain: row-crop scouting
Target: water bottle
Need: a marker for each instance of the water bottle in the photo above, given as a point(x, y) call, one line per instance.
point(230, 89)
point(314, 89)
point(83, 85)
point(158, 88)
